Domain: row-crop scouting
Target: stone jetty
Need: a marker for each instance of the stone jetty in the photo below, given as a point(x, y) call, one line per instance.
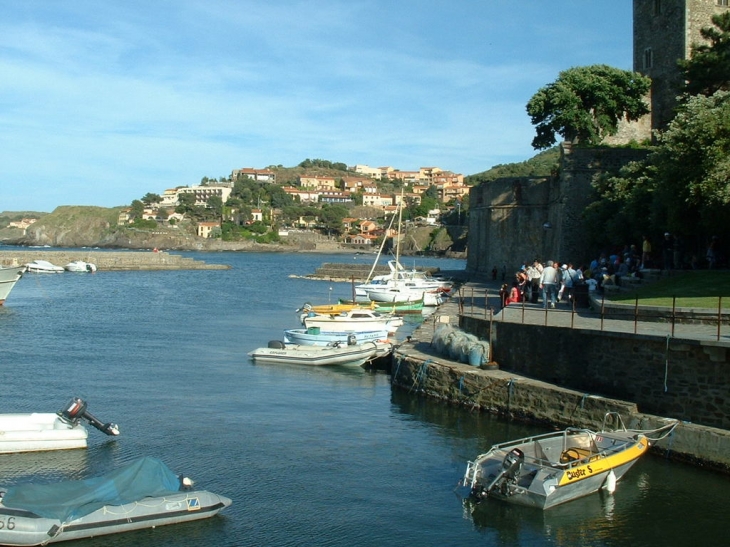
point(337, 271)
point(110, 260)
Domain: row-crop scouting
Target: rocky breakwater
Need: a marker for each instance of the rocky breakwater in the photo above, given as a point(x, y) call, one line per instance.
point(111, 260)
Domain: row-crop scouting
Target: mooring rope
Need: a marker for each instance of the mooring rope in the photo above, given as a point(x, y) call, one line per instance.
point(398, 360)
point(421, 374)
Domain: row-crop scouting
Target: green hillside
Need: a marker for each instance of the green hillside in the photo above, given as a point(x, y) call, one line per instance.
point(542, 165)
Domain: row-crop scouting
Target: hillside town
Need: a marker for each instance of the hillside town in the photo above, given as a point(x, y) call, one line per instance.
point(364, 188)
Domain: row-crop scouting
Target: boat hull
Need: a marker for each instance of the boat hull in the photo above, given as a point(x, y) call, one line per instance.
point(80, 266)
point(355, 320)
point(552, 469)
point(8, 278)
point(43, 266)
point(30, 529)
point(39, 432)
point(306, 338)
point(294, 354)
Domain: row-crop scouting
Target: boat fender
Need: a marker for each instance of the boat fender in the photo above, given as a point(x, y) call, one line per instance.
point(351, 340)
point(276, 344)
point(610, 484)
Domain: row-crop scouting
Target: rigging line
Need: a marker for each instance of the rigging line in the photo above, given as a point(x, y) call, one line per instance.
point(382, 245)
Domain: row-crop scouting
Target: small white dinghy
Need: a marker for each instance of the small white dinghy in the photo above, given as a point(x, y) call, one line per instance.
point(43, 266)
point(80, 266)
point(278, 353)
point(143, 494)
point(47, 431)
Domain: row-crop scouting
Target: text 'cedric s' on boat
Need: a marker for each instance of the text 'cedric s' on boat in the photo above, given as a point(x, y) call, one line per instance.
point(546, 470)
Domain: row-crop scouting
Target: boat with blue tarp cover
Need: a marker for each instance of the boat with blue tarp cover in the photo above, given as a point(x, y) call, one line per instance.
point(142, 494)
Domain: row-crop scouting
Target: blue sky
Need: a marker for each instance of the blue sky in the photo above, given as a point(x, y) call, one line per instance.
point(102, 102)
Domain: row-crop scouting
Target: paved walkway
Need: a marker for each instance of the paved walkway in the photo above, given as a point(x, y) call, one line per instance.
point(481, 298)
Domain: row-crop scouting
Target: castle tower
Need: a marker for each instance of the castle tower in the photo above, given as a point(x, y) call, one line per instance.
point(664, 31)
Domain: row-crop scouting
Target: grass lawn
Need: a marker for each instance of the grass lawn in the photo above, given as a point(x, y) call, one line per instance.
point(693, 289)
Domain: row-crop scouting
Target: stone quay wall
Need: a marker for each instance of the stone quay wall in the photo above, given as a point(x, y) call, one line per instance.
point(110, 260)
point(683, 379)
point(564, 377)
point(527, 399)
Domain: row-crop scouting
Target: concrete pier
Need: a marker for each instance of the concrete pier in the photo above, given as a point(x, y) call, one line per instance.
point(110, 260)
point(498, 388)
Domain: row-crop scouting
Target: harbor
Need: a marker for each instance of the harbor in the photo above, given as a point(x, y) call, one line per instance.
point(307, 454)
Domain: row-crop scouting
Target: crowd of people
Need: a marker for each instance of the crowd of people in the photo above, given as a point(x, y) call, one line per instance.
point(552, 283)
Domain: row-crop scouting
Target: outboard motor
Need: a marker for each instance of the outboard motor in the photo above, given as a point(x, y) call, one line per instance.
point(75, 410)
point(276, 344)
point(511, 465)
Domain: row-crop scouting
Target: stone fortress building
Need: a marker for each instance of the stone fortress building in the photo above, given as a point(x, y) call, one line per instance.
point(513, 220)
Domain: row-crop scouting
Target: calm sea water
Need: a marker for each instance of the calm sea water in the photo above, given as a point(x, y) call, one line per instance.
point(310, 456)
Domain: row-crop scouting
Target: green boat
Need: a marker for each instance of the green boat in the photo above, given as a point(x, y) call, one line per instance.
point(394, 307)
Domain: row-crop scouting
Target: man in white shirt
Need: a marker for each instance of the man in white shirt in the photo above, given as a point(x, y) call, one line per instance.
point(549, 284)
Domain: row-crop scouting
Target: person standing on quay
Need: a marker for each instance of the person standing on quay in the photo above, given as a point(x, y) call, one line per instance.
point(645, 252)
point(549, 285)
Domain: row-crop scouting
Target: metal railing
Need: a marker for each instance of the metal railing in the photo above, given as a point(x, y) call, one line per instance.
point(602, 314)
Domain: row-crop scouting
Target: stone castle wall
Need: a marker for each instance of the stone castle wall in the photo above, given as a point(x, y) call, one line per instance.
point(513, 220)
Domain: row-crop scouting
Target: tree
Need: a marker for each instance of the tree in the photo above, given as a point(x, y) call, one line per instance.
point(185, 202)
point(149, 198)
point(682, 187)
point(137, 209)
point(215, 204)
point(331, 217)
point(708, 68)
point(585, 104)
point(693, 163)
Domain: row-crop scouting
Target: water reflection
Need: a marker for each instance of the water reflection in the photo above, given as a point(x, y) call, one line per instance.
point(587, 521)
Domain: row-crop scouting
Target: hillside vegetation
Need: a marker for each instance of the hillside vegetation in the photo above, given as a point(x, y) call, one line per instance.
point(543, 164)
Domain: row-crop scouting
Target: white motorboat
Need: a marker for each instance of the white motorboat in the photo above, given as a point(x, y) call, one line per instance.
point(315, 337)
point(43, 266)
point(9, 276)
point(142, 494)
point(547, 470)
point(353, 320)
point(400, 277)
point(395, 294)
point(80, 266)
point(278, 353)
point(46, 431)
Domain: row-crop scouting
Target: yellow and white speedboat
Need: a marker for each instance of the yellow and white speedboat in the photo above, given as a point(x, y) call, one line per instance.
point(554, 468)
